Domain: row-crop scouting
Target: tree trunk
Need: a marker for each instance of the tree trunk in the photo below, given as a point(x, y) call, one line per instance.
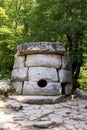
point(76, 57)
point(25, 23)
point(16, 22)
point(25, 30)
point(69, 39)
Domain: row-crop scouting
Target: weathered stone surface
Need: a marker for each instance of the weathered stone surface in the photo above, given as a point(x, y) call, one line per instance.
point(4, 87)
point(67, 88)
point(44, 60)
point(32, 88)
point(7, 81)
point(15, 106)
point(43, 124)
point(19, 62)
point(66, 63)
point(41, 47)
point(43, 63)
point(81, 93)
point(65, 76)
point(38, 99)
point(37, 73)
point(18, 86)
point(55, 118)
point(67, 115)
point(19, 74)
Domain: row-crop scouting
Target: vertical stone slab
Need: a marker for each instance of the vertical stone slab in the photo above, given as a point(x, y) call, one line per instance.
point(14, 75)
point(65, 76)
point(19, 62)
point(19, 74)
point(67, 88)
point(18, 86)
point(37, 73)
point(66, 63)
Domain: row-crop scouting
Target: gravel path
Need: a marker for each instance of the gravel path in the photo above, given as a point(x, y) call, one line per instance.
point(69, 115)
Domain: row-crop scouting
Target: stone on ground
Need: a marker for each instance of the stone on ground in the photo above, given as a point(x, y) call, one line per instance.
point(38, 99)
point(4, 86)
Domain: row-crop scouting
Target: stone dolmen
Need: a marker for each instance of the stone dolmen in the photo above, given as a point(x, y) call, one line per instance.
point(41, 68)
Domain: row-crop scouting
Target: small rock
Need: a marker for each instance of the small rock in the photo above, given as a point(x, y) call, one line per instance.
point(15, 107)
point(4, 87)
point(43, 124)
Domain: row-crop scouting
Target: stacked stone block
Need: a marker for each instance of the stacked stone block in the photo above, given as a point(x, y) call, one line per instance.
point(42, 69)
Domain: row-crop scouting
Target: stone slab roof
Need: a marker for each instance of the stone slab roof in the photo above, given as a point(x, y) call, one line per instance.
point(41, 48)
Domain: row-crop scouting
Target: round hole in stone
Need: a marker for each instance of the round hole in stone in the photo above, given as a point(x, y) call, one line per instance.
point(42, 83)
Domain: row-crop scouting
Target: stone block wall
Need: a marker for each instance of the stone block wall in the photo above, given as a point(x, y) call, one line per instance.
point(42, 69)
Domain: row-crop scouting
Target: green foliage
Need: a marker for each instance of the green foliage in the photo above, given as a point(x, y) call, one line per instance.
point(3, 16)
point(2, 97)
point(83, 76)
point(6, 52)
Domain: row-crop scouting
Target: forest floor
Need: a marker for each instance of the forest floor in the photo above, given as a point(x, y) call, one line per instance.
point(68, 115)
